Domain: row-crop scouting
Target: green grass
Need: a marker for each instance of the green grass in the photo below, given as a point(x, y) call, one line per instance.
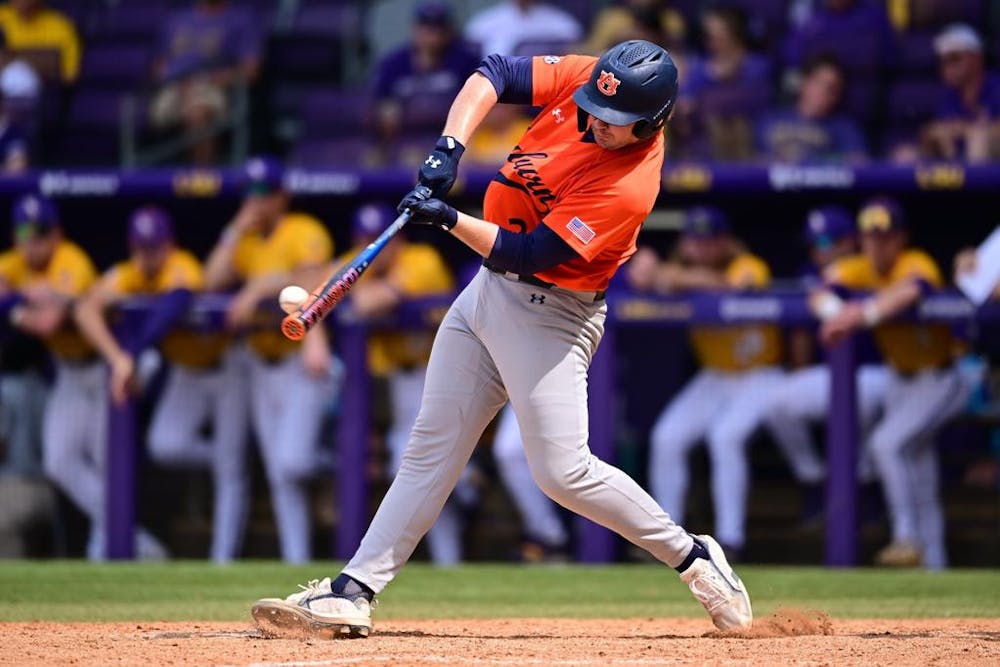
point(188, 591)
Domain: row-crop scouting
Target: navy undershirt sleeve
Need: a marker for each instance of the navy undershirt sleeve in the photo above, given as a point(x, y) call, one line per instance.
point(527, 254)
point(510, 76)
point(167, 310)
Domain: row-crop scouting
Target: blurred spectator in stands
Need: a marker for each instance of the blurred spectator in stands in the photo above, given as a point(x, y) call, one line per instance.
point(265, 247)
point(813, 131)
point(406, 271)
point(196, 394)
point(858, 32)
point(723, 91)
point(967, 126)
point(414, 85)
point(203, 52)
point(497, 135)
point(924, 390)
point(739, 365)
point(652, 20)
point(31, 26)
point(510, 24)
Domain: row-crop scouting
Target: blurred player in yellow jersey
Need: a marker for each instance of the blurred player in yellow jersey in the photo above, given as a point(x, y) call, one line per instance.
point(723, 404)
point(405, 270)
point(197, 390)
point(263, 249)
point(925, 389)
point(50, 273)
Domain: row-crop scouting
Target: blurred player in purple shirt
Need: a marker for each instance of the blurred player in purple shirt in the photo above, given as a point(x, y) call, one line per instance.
point(968, 119)
point(203, 51)
point(415, 84)
point(812, 131)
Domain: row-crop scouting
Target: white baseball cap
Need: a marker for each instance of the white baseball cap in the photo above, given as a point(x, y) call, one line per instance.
point(958, 38)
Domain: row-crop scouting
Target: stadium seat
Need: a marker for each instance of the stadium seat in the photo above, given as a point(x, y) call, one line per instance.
point(124, 66)
point(305, 58)
point(130, 22)
point(913, 100)
point(937, 13)
point(916, 52)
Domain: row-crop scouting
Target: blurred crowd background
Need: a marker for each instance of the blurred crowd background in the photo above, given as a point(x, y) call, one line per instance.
point(363, 86)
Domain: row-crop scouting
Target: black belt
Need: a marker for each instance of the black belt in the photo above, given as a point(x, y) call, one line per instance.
point(532, 280)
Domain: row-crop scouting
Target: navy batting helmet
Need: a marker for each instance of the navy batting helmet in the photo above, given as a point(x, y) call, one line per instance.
point(633, 81)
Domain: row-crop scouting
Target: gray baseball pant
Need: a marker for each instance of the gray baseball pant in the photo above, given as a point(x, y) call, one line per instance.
point(502, 338)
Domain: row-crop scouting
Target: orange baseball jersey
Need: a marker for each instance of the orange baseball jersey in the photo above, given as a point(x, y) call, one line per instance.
point(906, 346)
point(595, 199)
point(70, 273)
point(742, 347)
point(180, 271)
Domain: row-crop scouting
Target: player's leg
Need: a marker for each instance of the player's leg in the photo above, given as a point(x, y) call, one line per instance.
point(299, 401)
point(231, 479)
point(727, 448)
point(67, 449)
point(801, 397)
point(543, 349)
point(181, 411)
point(538, 513)
point(462, 394)
point(683, 422)
point(915, 407)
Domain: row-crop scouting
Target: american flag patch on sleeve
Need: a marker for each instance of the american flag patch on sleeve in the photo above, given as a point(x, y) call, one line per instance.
point(580, 230)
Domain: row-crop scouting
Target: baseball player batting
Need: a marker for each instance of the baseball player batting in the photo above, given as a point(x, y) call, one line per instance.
point(561, 216)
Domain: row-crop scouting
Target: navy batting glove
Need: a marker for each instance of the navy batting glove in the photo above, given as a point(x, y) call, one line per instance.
point(434, 212)
point(439, 170)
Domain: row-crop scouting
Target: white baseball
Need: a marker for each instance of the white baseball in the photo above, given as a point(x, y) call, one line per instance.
point(292, 297)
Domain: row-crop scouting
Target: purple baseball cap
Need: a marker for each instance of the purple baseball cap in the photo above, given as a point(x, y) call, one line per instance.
point(433, 13)
point(372, 219)
point(881, 214)
point(827, 225)
point(263, 175)
point(34, 215)
point(150, 227)
point(705, 222)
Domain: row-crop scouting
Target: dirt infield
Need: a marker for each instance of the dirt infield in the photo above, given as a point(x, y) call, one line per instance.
point(785, 637)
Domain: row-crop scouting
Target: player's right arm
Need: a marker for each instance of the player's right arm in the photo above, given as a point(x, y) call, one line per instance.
point(221, 270)
point(89, 314)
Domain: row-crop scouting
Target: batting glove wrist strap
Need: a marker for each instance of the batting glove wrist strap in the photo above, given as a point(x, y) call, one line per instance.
point(439, 170)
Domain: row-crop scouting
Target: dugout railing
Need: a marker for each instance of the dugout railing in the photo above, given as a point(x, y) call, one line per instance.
point(625, 310)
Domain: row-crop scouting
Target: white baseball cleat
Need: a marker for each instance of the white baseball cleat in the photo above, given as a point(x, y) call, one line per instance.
point(314, 612)
point(715, 585)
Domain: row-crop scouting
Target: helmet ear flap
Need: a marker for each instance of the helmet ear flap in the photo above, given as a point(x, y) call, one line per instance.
point(581, 120)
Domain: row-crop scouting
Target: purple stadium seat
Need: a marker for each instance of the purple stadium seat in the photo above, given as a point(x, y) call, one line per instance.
point(914, 100)
point(131, 21)
point(333, 113)
point(861, 100)
point(123, 66)
point(916, 52)
point(767, 18)
point(937, 13)
point(302, 57)
point(861, 54)
point(344, 152)
point(328, 19)
point(95, 109)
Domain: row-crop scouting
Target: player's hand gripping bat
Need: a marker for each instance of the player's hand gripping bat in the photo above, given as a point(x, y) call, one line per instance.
point(326, 296)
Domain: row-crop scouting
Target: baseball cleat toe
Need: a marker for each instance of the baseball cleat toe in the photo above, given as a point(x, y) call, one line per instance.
point(717, 587)
point(314, 612)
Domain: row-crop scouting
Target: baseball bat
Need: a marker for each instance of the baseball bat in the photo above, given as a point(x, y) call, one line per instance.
point(326, 296)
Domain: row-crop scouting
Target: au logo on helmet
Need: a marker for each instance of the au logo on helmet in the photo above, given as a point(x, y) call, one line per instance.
point(607, 83)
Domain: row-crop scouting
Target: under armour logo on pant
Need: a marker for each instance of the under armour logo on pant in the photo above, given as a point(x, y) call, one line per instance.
point(433, 162)
point(537, 298)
